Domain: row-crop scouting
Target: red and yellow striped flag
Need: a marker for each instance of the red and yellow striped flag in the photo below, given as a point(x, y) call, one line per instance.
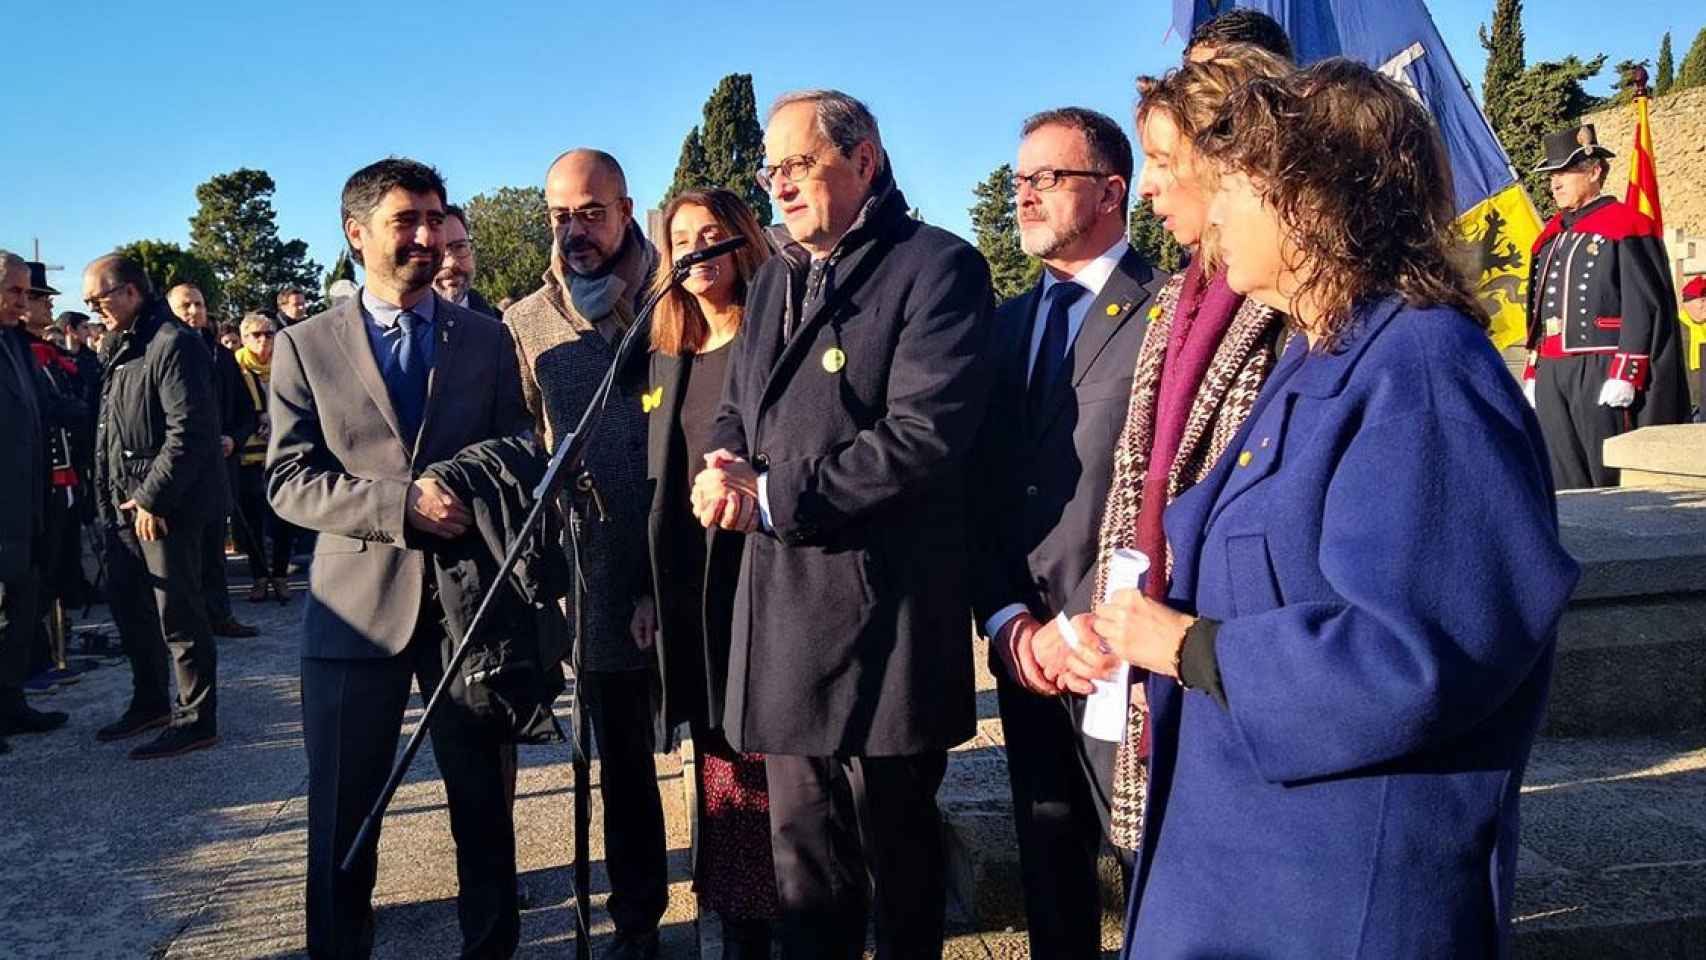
point(1643, 192)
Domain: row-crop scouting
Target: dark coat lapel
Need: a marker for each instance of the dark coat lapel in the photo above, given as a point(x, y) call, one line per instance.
point(352, 338)
point(667, 376)
point(449, 332)
point(1128, 287)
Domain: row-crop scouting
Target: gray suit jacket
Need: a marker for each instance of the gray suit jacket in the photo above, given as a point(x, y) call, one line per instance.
point(337, 464)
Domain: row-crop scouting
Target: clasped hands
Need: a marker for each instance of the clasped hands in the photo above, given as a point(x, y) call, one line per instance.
point(725, 493)
point(1129, 627)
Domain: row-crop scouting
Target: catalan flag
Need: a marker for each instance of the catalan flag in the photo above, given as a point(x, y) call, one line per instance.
point(1643, 192)
point(1497, 221)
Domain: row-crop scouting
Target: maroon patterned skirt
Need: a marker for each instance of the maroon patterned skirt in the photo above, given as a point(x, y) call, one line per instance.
point(734, 872)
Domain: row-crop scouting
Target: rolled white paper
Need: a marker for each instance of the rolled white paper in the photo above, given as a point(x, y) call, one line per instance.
point(1106, 706)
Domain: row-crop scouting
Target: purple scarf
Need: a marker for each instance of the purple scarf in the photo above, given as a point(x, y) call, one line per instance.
point(1204, 312)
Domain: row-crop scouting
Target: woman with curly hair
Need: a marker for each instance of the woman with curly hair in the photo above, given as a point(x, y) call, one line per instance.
point(1348, 671)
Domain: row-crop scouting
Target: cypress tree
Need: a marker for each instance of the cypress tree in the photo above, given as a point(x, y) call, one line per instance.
point(1505, 59)
point(995, 227)
point(1547, 98)
point(1667, 69)
point(690, 172)
point(733, 142)
point(1151, 239)
point(1692, 73)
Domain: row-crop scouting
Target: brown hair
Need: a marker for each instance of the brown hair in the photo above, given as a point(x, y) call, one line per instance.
point(678, 325)
point(1358, 175)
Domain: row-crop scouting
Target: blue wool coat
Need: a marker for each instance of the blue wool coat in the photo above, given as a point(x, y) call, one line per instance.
point(1381, 545)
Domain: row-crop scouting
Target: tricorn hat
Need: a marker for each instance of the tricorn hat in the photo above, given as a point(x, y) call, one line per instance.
point(1569, 146)
point(38, 278)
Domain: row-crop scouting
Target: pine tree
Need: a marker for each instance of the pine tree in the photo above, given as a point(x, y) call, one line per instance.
point(236, 231)
point(515, 241)
point(995, 225)
point(343, 269)
point(1505, 59)
point(1692, 72)
point(1151, 239)
point(168, 265)
point(1667, 69)
point(690, 172)
point(1547, 98)
point(1625, 71)
point(734, 142)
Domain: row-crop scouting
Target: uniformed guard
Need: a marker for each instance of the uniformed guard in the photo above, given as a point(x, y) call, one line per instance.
point(1604, 356)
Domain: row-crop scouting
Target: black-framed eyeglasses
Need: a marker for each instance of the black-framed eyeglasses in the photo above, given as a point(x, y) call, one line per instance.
point(589, 215)
point(1048, 179)
point(791, 169)
point(99, 300)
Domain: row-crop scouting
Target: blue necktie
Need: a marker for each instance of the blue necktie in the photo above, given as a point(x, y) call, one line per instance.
point(1051, 352)
point(409, 377)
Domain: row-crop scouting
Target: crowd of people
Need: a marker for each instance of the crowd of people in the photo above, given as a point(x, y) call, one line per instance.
point(1226, 531)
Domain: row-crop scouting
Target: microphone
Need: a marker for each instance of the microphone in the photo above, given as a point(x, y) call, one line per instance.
point(711, 252)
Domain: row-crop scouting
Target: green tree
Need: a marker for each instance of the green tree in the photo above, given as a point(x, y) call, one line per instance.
point(236, 231)
point(343, 269)
point(1505, 58)
point(168, 265)
point(1625, 71)
point(1692, 72)
point(512, 239)
point(995, 226)
point(1667, 68)
point(690, 170)
point(1151, 239)
point(1547, 98)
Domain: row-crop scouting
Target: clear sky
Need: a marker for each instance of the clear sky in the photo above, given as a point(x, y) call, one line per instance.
point(116, 111)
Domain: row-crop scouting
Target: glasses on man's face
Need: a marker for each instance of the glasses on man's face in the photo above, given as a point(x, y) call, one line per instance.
point(792, 169)
point(588, 216)
point(98, 302)
point(1047, 179)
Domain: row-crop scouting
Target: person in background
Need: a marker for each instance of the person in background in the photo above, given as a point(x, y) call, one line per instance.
point(264, 537)
point(1245, 26)
point(687, 617)
point(78, 333)
point(1694, 316)
point(1347, 674)
point(455, 280)
point(231, 336)
point(292, 306)
point(236, 422)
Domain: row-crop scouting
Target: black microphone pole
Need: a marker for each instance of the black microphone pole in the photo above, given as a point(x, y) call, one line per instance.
point(568, 456)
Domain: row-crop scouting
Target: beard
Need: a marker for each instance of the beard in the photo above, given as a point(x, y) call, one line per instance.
point(452, 281)
point(415, 274)
point(1043, 239)
point(583, 247)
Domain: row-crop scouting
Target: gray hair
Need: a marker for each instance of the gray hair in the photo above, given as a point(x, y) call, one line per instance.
point(255, 321)
point(841, 119)
point(10, 261)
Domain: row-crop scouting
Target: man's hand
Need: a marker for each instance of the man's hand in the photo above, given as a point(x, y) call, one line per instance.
point(226, 445)
point(1013, 645)
point(149, 526)
point(435, 510)
point(725, 493)
point(1141, 631)
point(1081, 665)
point(643, 628)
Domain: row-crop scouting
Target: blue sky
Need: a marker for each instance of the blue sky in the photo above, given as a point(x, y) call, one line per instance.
point(116, 111)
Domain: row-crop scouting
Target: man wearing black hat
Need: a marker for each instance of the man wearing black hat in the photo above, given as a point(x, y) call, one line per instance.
point(1604, 355)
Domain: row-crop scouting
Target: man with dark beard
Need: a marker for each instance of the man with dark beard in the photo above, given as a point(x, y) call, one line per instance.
point(364, 396)
point(566, 334)
point(455, 279)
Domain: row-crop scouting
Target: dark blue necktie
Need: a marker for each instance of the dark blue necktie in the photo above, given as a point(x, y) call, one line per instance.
point(409, 376)
point(1051, 352)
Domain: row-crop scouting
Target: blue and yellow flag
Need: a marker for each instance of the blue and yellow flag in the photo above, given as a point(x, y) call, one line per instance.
point(1398, 37)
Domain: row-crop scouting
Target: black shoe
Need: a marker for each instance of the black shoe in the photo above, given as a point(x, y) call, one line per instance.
point(746, 939)
point(26, 720)
point(232, 627)
point(175, 742)
point(633, 946)
point(132, 724)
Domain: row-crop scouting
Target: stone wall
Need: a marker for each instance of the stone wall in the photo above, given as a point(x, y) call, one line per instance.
point(1679, 143)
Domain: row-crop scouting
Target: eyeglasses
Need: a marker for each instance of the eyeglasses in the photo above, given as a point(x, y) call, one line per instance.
point(791, 169)
point(263, 334)
point(99, 301)
point(589, 215)
point(1044, 180)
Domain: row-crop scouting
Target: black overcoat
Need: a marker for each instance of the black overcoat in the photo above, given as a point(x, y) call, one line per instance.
point(851, 630)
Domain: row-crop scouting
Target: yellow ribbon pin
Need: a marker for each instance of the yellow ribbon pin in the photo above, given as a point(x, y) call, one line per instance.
point(651, 399)
point(1245, 458)
point(1113, 310)
point(1155, 312)
point(834, 359)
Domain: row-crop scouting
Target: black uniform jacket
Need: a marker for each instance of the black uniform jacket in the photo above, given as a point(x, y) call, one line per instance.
point(851, 628)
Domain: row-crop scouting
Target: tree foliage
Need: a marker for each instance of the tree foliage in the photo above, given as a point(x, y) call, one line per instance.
point(726, 148)
point(995, 227)
point(168, 265)
point(1547, 98)
point(1666, 68)
point(1692, 72)
point(512, 241)
point(1626, 88)
point(1505, 58)
point(1151, 239)
point(235, 231)
point(343, 269)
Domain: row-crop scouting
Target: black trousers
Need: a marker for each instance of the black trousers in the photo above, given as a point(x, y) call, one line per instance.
point(17, 634)
point(619, 708)
point(215, 590)
point(841, 825)
point(352, 720)
point(1062, 789)
point(154, 589)
point(256, 523)
point(1566, 399)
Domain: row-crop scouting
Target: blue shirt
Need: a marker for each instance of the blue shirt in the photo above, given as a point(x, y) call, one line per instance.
point(380, 320)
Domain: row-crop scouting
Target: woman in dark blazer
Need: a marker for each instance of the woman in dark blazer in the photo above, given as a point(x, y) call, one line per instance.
point(694, 571)
point(1349, 670)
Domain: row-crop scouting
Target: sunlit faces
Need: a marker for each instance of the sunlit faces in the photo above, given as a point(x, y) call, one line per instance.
point(694, 228)
point(1251, 241)
point(14, 295)
point(456, 272)
point(189, 305)
point(1053, 221)
point(589, 211)
point(38, 312)
point(1576, 185)
point(818, 204)
point(402, 240)
point(293, 304)
point(1169, 179)
point(258, 338)
point(115, 303)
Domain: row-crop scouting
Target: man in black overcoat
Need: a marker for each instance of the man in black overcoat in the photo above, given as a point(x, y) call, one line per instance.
point(854, 396)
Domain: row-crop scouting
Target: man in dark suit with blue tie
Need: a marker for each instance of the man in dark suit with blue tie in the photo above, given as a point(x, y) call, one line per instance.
point(1067, 350)
point(363, 397)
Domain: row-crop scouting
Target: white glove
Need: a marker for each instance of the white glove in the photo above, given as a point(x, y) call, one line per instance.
point(1528, 391)
point(1617, 393)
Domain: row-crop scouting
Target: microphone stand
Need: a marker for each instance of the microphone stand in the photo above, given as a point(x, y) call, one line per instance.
point(567, 458)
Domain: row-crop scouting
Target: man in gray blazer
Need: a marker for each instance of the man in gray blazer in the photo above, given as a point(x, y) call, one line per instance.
point(1067, 349)
point(363, 397)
